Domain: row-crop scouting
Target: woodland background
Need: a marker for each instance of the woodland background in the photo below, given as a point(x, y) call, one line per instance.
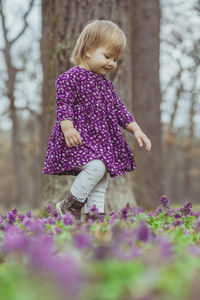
point(157, 78)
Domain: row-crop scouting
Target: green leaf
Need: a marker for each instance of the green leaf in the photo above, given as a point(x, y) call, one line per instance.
point(45, 212)
point(155, 225)
point(150, 220)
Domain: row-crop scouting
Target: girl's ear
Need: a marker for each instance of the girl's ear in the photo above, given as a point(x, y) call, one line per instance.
point(87, 54)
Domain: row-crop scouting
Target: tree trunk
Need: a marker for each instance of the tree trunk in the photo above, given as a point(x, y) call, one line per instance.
point(17, 155)
point(146, 99)
point(187, 182)
point(18, 164)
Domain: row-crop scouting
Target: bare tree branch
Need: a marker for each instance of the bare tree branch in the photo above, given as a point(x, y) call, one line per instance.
point(5, 31)
point(25, 16)
point(33, 112)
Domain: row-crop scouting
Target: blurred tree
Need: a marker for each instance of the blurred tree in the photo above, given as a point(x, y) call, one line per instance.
point(180, 93)
point(20, 125)
point(12, 70)
point(147, 99)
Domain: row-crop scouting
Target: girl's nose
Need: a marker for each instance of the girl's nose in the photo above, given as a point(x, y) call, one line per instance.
point(111, 63)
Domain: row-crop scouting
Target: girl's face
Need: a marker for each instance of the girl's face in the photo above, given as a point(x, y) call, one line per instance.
point(100, 61)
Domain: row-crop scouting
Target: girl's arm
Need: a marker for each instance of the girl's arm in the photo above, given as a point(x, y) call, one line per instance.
point(134, 128)
point(65, 97)
point(66, 124)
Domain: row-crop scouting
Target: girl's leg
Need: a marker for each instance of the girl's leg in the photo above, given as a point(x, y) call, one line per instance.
point(87, 179)
point(97, 195)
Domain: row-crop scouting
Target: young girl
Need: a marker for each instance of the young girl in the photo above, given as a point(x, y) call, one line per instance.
point(86, 140)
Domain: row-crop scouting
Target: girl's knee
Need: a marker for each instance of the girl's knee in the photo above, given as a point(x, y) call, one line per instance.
point(98, 167)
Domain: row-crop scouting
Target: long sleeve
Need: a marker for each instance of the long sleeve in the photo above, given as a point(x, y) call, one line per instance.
point(124, 117)
point(65, 97)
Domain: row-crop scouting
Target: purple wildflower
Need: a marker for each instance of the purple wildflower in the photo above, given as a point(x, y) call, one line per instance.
point(59, 218)
point(41, 252)
point(51, 221)
point(141, 210)
point(48, 208)
point(28, 213)
point(165, 247)
point(57, 229)
point(188, 207)
point(100, 217)
point(124, 213)
point(82, 240)
point(132, 220)
point(44, 221)
point(11, 217)
point(35, 226)
point(14, 211)
point(21, 217)
point(168, 213)
point(93, 208)
point(112, 215)
point(177, 215)
point(142, 232)
point(196, 214)
point(159, 210)
point(67, 219)
point(26, 221)
point(69, 274)
point(176, 223)
point(54, 213)
point(164, 201)
point(14, 240)
point(151, 214)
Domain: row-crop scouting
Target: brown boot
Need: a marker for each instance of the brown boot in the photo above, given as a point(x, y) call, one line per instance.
point(70, 204)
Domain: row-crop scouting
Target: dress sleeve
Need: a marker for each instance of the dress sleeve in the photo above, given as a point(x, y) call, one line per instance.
point(124, 117)
point(65, 97)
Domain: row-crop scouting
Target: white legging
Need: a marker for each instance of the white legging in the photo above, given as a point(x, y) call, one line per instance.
point(91, 183)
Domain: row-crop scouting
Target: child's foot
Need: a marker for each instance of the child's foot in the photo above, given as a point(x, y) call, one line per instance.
point(70, 204)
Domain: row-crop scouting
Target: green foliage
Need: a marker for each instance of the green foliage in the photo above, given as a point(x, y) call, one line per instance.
point(112, 279)
point(17, 284)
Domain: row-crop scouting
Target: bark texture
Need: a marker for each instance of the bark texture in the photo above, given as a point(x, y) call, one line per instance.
point(146, 99)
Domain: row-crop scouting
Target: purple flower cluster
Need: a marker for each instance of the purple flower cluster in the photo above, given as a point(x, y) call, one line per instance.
point(187, 208)
point(164, 200)
point(39, 248)
point(120, 235)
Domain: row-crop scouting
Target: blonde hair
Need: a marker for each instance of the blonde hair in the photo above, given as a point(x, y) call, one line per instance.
point(99, 33)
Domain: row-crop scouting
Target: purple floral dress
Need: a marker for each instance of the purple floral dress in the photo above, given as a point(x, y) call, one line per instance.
point(90, 101)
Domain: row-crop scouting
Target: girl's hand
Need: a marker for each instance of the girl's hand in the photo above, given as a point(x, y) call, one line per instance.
point(72, 137)
point(140, 136)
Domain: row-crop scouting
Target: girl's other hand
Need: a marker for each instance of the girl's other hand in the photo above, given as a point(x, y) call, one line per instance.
point(140, 136)
point(72, 137)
